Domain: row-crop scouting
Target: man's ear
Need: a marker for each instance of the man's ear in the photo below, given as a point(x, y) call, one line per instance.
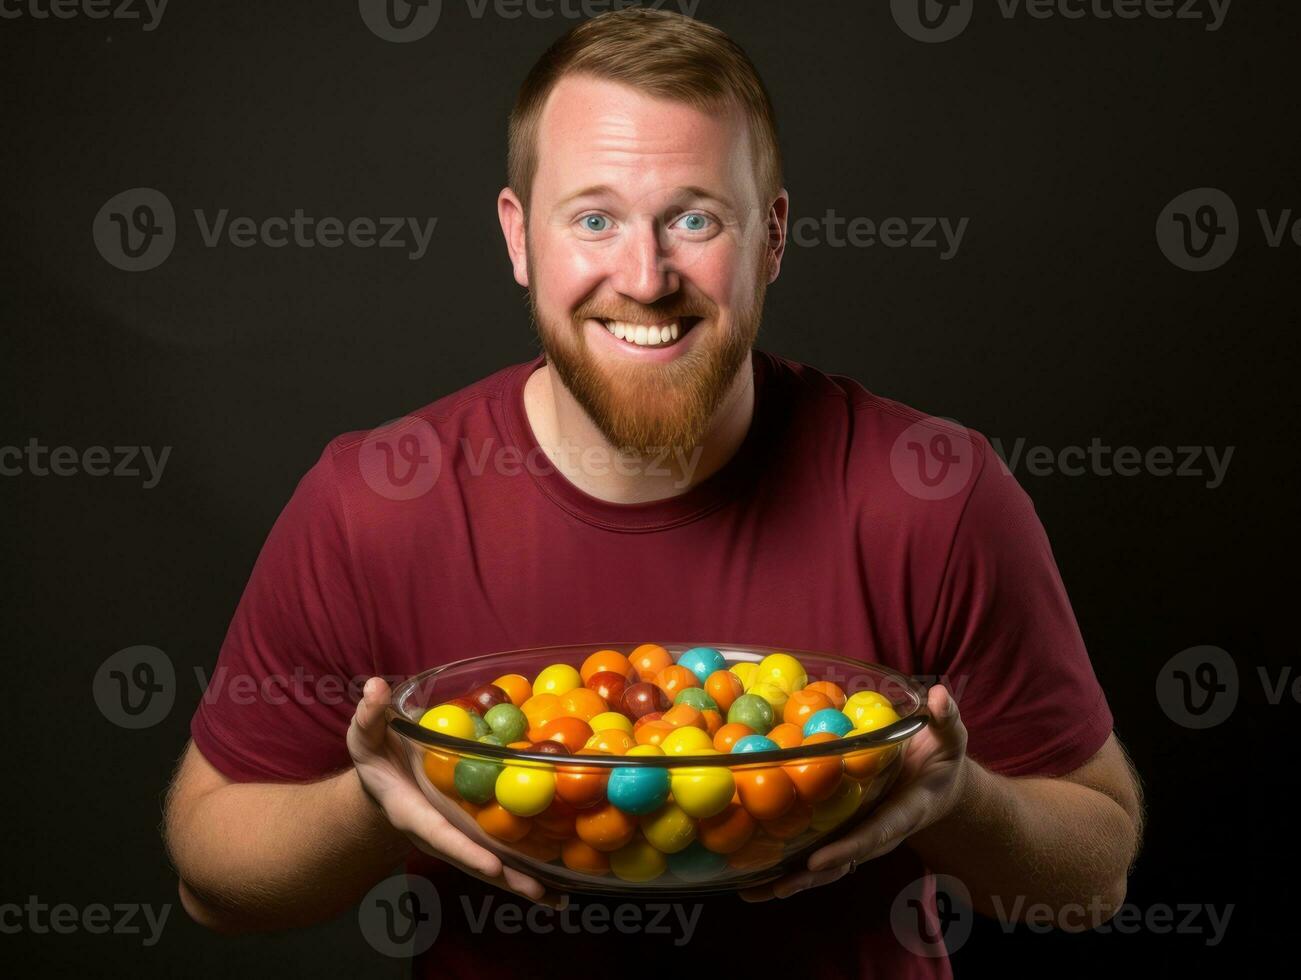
point(776, 231)
point(511, 215)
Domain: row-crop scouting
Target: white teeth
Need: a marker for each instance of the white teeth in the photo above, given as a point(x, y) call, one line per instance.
point(643, 335)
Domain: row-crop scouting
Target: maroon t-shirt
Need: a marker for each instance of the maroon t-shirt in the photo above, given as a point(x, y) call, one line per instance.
point(845, 523)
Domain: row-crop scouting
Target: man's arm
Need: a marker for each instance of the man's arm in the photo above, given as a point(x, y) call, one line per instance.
point(267, 856)
point(1057, 841)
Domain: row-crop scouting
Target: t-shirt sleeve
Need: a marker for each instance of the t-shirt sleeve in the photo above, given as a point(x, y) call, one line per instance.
point(280, 699)
point(1008, 647)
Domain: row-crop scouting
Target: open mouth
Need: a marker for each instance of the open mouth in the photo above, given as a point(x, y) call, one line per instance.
point(663, 334)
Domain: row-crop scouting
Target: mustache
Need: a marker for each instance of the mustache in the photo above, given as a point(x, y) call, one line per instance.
point(654, 313)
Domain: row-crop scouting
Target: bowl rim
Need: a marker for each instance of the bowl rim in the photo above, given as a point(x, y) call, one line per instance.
point(892, 734)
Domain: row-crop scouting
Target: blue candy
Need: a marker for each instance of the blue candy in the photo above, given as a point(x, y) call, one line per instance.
point(828, 720)
point(754, 743)
point(696, 863)
point(702, 661)
point(639, 789)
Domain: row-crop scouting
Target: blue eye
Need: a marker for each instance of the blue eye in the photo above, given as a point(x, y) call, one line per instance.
point(695, 222)
point(595, 222)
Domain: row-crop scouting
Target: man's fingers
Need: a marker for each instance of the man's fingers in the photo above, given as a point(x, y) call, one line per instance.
point(371, 724)
point(421, 821)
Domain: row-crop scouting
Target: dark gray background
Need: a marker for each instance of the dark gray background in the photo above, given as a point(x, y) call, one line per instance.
point(1059, 321)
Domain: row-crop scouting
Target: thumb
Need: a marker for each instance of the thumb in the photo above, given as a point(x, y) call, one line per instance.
point(943, 710)
point(369, 719)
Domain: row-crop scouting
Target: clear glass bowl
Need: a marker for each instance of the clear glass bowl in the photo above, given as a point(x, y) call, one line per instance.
point(730, 850)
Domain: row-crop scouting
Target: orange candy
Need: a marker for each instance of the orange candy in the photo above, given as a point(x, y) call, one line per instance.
point(582, 703)
point(833, 692)
point(556, 821)
point(539, 846)
point(471, 808)
point(606, 660)
point(790, 824)
point(787, 735)
point(582, 786)
point(572, 733)
point(606, 828)
point(649, 659)
point(614, 741)
point(729, 734)
point(863, 764)
point(724, 687)
point(502, 824)
point(541, 708)
point(760, 851)
point(727, 830)
point(713, 721)
point(816, 779)
point(766, 792)
point(516, 686)
point(684, 714)
point(579, 855)
point(802, 704)
point(675, 678)
point(652, 733)
point(441, 770)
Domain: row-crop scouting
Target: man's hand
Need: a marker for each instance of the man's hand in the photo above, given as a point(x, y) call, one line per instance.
point(381, 763)
point(931, 781)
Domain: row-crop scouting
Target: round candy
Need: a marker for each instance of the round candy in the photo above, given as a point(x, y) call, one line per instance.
point(476, 779)
point(790, 824)
point(557, 820)
point(649, 659)
point(702, 791)
point(827, 720)
point(645, 750)
point(868, 762)
point(669, 829)
point(801, 705)
point(863, 701)
point(608, 721)
point(696, 862)
point(489, 739)
point(696, 697)
point(613, 740)
point(525, 790)
point(572, 733)
point(556, 679)
point(502, 824)
point(786, 735)
point(783, 670)
point(582, 703)
point(609, 686)
point(686, 741)
point(817, 778)
point(578, 855)
point(605, 827)
point(449, 719)
point(755, 743)
point(724, 686)
point(729, 734)
point(516, 686)
point(770, 692)
point(683, 715)
point(652, 733)
point(547, 746)
point(727, 830)
point(839, 806)
point(638, 789)
point(702, 661)
point(746, 671)
point(487, 696)
point(713, 721)
point(441, 770)
point(480, 726)
point(642, 698)
point(603, 661)
point(766, 793)
point(675, 678)
point(752, 711)
point(541, 708)
point(833, 693)
point(637, 861)
point(582, 786)
point(869, 715)
point(507, 722)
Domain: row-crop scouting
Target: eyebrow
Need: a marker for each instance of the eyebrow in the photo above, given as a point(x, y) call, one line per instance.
point(597, 190)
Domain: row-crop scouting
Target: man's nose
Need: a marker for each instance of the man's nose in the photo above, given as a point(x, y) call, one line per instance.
point(644, 265)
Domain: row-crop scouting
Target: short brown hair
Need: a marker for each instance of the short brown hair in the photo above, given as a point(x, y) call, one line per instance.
point(662, 53)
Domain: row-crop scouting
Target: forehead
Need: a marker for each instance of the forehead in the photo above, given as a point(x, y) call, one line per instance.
point(595, 131)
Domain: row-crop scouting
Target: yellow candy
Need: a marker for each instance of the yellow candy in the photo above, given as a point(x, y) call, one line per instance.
point(774, 695)
point(746, 671)
point(686, 740)
point(448, 719)
point(525, 790)
point(557, 679)
point(609, 720)
point(646, 749)
point(869, 711)
point(783, 670)
point(839, 806)
point(669, 829)
point(637, 861)
point(702, 791)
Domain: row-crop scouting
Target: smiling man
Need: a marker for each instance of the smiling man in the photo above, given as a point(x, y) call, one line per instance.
point(702, 490)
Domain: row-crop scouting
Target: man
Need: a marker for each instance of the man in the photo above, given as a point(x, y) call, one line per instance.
point(690, 488)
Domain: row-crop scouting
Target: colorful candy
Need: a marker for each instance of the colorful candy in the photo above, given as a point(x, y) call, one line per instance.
point(702, 661)
point(638, 789)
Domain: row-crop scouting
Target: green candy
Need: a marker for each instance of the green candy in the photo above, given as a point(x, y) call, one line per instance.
point(507, 722)
point(476, 779)
point(481, 727)
point(697, 697)
point(490, 739)
point(752, 711)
